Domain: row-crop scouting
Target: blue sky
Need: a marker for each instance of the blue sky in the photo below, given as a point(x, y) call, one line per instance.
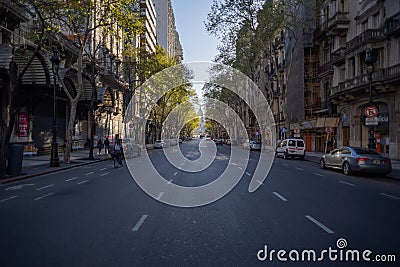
point(197, 44)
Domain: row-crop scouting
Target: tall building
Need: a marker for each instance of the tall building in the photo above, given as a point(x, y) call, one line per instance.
point(148, 39)
point(167, 35)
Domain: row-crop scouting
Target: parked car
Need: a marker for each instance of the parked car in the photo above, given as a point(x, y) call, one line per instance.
point(130, 149)
point(218, 141)
point(355, 159)
point(291, 147)
point(159, 144)
point(252, 145)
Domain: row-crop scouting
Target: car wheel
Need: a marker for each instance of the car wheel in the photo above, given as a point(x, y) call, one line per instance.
point(322, 164)
point(346, 168)
point(285, 156)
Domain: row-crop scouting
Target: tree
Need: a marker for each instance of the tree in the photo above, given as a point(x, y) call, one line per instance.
point(79, 20)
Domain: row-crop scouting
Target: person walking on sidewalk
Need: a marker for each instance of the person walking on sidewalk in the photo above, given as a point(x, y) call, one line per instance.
point(100, 145)
point(106, 145)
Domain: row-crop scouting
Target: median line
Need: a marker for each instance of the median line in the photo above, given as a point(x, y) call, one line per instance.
point(83, 182)
point(6, 199)
point(70, 179)
point(343, 182)
point(38, 198)
point(317, 174)
point(89, 173)
point(387, 195)
point(104, 174)
point(139, 223)
point(44, 187)
point(300, 169)
point(279, 196)
point(247, 173)
point(319, 224)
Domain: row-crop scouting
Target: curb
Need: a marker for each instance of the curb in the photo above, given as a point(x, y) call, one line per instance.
point(26, 176)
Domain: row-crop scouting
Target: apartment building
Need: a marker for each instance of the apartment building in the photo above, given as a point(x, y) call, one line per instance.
point(346, 31)
point(167, 35)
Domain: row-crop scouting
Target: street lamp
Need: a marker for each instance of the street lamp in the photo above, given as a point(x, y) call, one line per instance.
point(55, 63)
point(369, 61)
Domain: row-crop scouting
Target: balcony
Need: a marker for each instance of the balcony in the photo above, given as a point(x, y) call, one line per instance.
point(338, 24)
point(392, 25)
point(381, 76)
point(325, 70)
point(369, 36)
point(337, 56)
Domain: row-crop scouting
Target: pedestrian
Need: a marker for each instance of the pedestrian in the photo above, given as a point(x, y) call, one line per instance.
point(106, 145)
point(100, 145)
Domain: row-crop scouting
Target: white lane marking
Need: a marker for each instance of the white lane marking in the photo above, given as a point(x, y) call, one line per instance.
point(169, 182)
point(247, 173)
point(102, 169)
point(44, 187)
point(139, 223)
point(261, 183)
point(240, 168)
point(160, 195)
point(104, 174)
point(4, 200)
point(280, 196)
point(317, 174)
point(325, 228)
point(89, 173)
point(383, 194)
point(82, 182)
point(285, 164)
point(175, 173)
point(70, 179)
point(17, 187)
point(300, 169)
point(343, 182)
point(44, 196)
point(233, 163)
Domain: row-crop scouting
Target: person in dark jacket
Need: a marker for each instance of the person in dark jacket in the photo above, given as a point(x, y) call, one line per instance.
point(106, 145)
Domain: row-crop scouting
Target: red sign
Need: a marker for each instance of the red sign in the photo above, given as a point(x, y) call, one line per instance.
point(23, 125)
point(296, 130)
point(371, 111)
point(328, 129)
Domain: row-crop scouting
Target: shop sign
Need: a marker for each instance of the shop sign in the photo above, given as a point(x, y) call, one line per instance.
point(23, 125)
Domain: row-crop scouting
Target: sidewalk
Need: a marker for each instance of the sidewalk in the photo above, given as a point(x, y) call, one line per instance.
point(395, 174)
point(38, 165)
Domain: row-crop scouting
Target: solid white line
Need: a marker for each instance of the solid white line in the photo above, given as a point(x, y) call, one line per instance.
point(247, 173)
point(383, 194)
point(300, 169)
point(89, 173)
point(70, 179)
point(44, 196)
point(175, 173)
point(4, 200)
point(104, 174)
point(325, 228)
point(280, 196)
point(47, 186)
point(139, 223)
point(343, 182)
point(170, 182)
point(102, 169)
point(318, 174)
point(82, 182)
point(160, 195)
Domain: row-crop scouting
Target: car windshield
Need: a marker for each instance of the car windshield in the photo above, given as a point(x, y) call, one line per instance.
point(361, 151)
point(292, 143)
point(256, 142)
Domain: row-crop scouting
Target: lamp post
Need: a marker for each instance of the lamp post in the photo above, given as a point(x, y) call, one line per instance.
point(55, 63)
point(369, 61)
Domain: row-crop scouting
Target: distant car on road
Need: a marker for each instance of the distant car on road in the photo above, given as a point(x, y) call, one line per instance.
point(218, 141)
point(130, 149)
point(159, 144)
point(252, 145)
point(291, 147)
point(355, 159)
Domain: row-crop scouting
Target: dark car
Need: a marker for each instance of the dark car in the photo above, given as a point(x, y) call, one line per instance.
point(218, 141)
point(355, 159)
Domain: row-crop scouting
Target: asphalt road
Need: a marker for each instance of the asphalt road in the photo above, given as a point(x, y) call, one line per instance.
point(96, 215)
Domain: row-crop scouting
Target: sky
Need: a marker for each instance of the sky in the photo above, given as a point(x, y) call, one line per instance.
point(197, 44)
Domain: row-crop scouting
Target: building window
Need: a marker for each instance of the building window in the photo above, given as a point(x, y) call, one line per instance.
point(352, 67)
point(376, 21)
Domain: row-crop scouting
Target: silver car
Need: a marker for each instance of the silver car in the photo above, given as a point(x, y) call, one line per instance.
point(355, 159)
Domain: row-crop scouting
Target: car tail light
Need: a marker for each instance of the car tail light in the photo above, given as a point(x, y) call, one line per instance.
point(362, 159)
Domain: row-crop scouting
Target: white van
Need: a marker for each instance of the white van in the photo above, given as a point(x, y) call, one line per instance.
point(291, 147)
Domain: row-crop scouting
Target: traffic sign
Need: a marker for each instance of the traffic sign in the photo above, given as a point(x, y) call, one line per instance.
point(371, 121)
point(371, 111)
